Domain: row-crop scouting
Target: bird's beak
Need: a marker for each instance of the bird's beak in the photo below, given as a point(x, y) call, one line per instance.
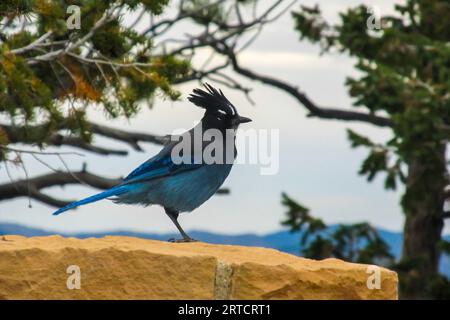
point(243, 120)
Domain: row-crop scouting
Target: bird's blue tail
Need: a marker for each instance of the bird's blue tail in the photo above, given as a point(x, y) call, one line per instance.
point(105, 194)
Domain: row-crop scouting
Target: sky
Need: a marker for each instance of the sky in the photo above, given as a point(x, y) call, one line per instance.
point(317, 167)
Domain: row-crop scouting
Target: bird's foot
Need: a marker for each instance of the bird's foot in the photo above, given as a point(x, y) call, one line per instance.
point(182, 240)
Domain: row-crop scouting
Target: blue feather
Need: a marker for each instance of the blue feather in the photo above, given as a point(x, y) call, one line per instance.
point(115, 191)
point(149, 166)
point(159, 166)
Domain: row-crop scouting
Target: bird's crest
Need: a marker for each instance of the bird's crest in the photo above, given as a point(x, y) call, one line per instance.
point(212, 100)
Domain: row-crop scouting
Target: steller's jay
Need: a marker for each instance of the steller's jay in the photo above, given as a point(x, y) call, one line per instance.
point(181, 186)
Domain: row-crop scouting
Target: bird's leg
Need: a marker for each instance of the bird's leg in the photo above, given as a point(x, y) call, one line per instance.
point(174, 217)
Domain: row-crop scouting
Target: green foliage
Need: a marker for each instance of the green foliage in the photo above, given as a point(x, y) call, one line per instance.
point(378, 160)
point(21, 91)
point(403, 75)
point(310, 22)
point(15, 7)
point(45, 94)
point(320, 248)
point(358, 242)
point(313, 27)
point(299, 219)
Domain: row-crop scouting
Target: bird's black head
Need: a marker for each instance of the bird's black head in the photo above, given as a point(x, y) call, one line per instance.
point(220, 112)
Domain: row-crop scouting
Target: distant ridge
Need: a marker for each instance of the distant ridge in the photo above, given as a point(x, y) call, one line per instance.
point(281, 240)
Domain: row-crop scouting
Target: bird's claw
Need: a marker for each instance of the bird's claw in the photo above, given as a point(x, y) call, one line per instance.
point(173, 240)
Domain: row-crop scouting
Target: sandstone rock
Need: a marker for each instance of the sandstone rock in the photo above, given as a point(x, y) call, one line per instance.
point(131, 268)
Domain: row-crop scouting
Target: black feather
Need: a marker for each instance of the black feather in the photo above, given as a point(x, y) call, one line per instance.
point(212, 100)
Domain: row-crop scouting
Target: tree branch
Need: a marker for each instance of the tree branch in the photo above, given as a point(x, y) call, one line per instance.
point(32, 187)
point(182, 14)
point(59, 140)
point(132, 138)
point(44, 198)
point(33, 44)
point(52, 55)
point(315, 110)
point(224, 40)
point(18, 134)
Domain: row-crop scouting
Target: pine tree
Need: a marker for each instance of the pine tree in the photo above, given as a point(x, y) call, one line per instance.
point(59, 59)
point(404, 65)
point(358, 242)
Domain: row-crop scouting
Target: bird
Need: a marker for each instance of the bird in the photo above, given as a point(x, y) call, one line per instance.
point(181, 186)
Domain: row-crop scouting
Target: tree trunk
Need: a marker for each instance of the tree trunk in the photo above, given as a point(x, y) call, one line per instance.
point(423, 203)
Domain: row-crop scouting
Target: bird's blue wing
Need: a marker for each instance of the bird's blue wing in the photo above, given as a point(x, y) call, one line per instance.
point(158, 166)
point(152, 167)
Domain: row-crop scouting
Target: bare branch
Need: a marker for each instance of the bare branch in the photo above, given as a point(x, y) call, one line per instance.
point(223, 31)
point(107, 16)
point(132, 138)
point(223, 191)
point(200, 74)
point(62, 178)
point(315, 110)
point(182, 14)
point(17, 134)
point(109, 62)
point(40, 152)
point(59, 140)
point(224, 41)
point(44, 198)
point(33, 44)
point(32, 187)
